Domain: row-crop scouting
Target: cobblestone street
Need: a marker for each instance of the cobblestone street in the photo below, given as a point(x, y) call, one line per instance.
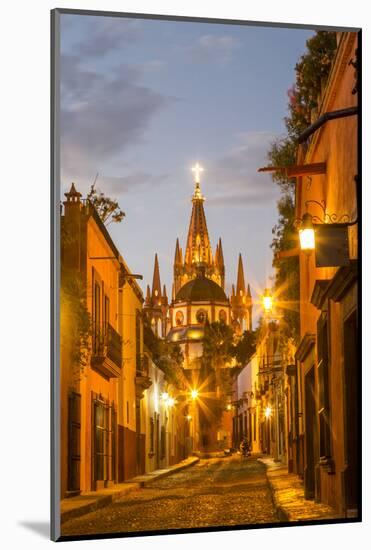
point(227, 491)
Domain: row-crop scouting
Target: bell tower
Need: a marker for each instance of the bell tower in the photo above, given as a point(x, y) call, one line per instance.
point(241, 301)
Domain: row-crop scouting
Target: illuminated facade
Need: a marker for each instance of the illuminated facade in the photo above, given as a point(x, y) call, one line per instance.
point(199, 296)
point(198, 290)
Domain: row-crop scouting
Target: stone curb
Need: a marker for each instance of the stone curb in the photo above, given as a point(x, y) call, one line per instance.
point(281, 513)
point(100, 501)
point(168, 472)
point(285, 515)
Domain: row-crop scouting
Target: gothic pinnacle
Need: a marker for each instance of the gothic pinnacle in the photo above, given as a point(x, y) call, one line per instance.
point(221, 257)
point(241, 289)
point(156, 283)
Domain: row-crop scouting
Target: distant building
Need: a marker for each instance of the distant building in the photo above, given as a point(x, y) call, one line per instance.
point(247, 409)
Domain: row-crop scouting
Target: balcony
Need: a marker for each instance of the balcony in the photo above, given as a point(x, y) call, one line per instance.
point(107, 352)
point(142, 379)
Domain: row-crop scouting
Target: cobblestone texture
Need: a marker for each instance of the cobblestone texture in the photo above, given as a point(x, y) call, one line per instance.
point(215, 492)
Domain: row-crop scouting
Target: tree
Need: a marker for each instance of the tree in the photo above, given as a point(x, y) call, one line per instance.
point(75, 322)
point(218, 352)
point(108, 209)
point(218, 347)
point(245, 347)
point(168, 356)
point(311, 71)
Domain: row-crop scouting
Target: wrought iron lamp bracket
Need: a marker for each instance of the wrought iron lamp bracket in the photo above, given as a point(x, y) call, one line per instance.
point(332, 219)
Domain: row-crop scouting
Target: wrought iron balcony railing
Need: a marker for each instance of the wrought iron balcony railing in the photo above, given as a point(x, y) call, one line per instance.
point(107, 343)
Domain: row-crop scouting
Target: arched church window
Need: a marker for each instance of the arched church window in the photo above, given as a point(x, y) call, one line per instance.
point(222, 316)
point(179, 318)
point(201, 316)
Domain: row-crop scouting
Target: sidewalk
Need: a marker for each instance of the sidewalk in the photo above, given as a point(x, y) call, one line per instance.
point(88, 502)
point(288, 496)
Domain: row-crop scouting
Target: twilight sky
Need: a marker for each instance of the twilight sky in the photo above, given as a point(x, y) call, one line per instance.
point(142, 101)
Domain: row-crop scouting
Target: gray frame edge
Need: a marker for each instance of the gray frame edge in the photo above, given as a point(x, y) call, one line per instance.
point(195, 19)
point(55, 530)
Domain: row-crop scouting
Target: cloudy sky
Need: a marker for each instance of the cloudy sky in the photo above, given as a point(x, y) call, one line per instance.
point(142, 101)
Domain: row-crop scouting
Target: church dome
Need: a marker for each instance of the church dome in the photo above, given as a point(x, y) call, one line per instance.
point(201, 289)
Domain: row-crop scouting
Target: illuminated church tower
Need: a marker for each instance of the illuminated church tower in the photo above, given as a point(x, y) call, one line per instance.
point(198, 290)
point(198, 253)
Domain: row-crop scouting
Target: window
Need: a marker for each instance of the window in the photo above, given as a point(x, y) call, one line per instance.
point(222, 316)
point(104, 418)
point(96, 318)
point(137, 341)
point(106, 311)
point(74, 434)
point(163, 442)
point(323, 387)
point(179, 318)
point(254, 426)
point(201, 316)
point(151, 435)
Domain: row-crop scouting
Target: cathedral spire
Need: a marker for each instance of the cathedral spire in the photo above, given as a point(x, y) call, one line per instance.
point(241, 289)
point(156, 283)
point(216, 257)
point(148, 295)
point(164, 296)
point(198, 243)
point(178, 260)
point(221, 257)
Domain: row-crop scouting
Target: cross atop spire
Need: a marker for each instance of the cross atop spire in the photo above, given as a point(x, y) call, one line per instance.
point(197, 169)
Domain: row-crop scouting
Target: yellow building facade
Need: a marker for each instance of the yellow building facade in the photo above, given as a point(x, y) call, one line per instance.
point(327, 354)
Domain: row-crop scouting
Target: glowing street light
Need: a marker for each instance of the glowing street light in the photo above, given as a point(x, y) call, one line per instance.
point(268, 412)
point(306, 233)
point(164, 396)
point(189, 417)
point(170, 402)
point(267, 301)
point(229, 407)
point(194, 394)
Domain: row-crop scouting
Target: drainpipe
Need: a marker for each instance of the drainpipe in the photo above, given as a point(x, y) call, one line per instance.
point(331, 115)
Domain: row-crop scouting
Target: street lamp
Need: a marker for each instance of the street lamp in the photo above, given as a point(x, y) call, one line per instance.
point(306, 233)
point(267, 301)
point(194, 394)
point(328, 235)
point(268, 412)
